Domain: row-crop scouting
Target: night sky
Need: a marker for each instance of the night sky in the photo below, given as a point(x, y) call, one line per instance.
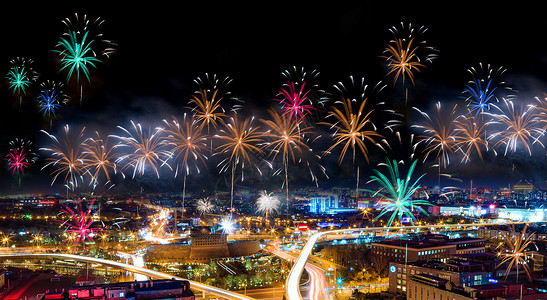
point(162, 47)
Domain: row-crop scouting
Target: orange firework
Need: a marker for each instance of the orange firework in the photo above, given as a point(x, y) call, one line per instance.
point(67, 156)
point(402, 60)
point(471, 136)
point(439, 134)
point(240, 142)
point(100, 157)
point(286, 138)
point(352, 128)
point(187, 147)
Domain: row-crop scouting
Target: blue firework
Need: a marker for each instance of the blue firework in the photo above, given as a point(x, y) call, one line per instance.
point(480, 96)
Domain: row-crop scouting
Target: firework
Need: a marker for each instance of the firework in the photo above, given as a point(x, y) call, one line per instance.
point(20, 76)
point(519, 127)
point(300, 76)
point(51, 98)
point(187, 145)
point(267, 203)
point(439, 134)
point(286, 139)
point(204, 206)
point(67, 157)
point(20, 157)
point(471, 136)
point(408, 52)
point(515, 252)
point(100, 158)
point(79, 223)
point(240, 142)
point(397, 191)
point(541, 111)
point(482, 93)
point(82, 48)
point(206, 101)
point(294, 99)
point(352, 128)
point(145, 149)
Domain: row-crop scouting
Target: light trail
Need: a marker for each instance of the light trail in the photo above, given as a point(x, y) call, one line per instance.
point(292, 289)
point(193, 284)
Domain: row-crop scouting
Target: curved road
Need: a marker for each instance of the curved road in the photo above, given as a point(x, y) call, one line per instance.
point(292, 289)
point(194, 285)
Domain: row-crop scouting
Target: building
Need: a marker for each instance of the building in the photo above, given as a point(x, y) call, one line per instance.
point(428, 287)
point(461, 270)
point(153, 289)
point(427, 247)
point(320, 204)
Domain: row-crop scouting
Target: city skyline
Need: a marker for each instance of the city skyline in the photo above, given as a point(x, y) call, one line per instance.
point(159, 53)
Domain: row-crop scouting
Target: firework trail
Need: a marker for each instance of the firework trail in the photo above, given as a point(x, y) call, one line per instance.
point(21, 76)
point(78, 224)
point(187, 146)
point(285, 138)
point(352, 123)
point(240, 143)
point(66, 157)
point(145, 149)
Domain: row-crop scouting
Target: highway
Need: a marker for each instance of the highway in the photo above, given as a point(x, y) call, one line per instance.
point(151, 273)
point(318, 280)
point(292, 288)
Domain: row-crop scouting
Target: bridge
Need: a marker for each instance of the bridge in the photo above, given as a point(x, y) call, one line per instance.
point(139, 270)
point(292, 289)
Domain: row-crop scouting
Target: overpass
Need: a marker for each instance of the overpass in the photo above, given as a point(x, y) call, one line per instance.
point(292, 283)
point(151, 273)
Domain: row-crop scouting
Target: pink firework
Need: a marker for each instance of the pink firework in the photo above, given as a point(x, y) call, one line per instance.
point(293, 103)
point(78, 224)
point(17, 160)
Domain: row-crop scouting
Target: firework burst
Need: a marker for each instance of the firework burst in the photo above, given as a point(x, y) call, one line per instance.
point(294, 100)
point(204, 206)
point(286, 139)
point(267, 203)
point(240, 143)
point(483, 92)
point(519, 127)
point(82, 47)
point(20, 157)
point(145, 149)
point(515, 251)
point(100, 158)
point(439, 134)
point(67, 157)
point(408, 52)
point(187, 146)
point(51, 98)
point(79, 222)
point(20, 76)
point(471, 136)
point(397, 190)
